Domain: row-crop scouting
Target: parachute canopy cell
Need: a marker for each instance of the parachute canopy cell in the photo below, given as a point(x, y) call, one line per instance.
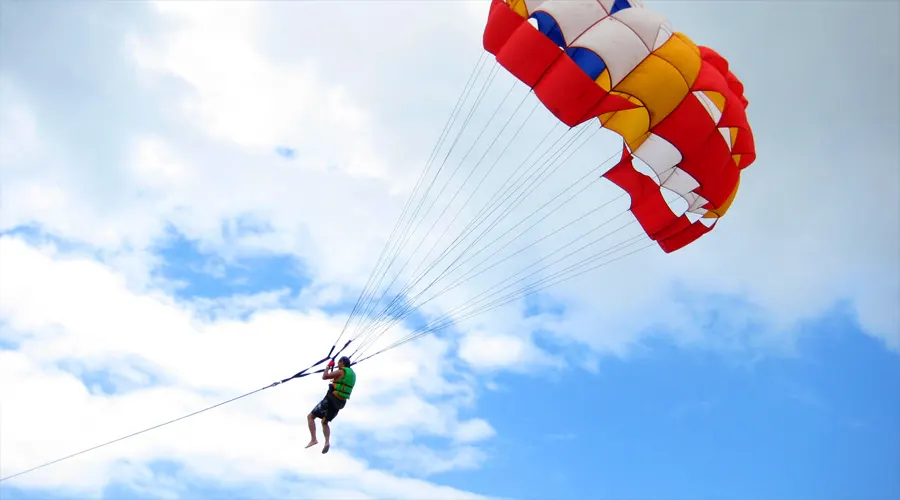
point(676, 105)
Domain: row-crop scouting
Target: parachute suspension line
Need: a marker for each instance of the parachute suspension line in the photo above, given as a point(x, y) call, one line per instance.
point(446, 320)
point(547, 164)
point(580, 264)
point(474, 301)
point(409, 233)
point(454, 264)
point(400, 294)
point(455, 171)
point(552, 278)
point(515, 295)
point(475, 271)
point(371, 327)
point(404, 239)
point(534, 163)
point(477, 187)
point(534, 287)
point(499, 194)
point(366, 292)
point(476, 70)
point(574, 270)
point(453, 285)
point(466, 231)
point(506, 211)
point(533, 151)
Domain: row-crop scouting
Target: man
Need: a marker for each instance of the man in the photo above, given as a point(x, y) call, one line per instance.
point(338, 393)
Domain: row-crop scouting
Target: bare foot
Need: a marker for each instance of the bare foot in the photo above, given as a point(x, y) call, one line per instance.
point(312, 443)
point(325, 448)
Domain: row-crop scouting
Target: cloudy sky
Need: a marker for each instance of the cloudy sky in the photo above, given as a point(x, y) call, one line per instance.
point(194, 194)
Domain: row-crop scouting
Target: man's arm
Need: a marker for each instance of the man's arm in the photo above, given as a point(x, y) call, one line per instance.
point(332, 373)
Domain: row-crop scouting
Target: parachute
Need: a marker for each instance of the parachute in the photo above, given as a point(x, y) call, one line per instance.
point(611, 64)
point(676, 105)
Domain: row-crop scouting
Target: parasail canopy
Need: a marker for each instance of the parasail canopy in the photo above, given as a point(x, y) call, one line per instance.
point(675, 104)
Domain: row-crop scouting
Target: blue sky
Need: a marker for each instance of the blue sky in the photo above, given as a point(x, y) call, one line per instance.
point(195, 194)
point(667, 423)
point(697, 425)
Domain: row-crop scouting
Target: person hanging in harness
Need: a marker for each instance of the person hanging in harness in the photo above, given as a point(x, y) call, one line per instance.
point(343, 379)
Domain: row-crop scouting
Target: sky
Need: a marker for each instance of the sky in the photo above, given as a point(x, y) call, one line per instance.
point(194, 195)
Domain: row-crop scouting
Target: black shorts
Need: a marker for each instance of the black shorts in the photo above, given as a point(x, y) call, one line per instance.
point(329, 407)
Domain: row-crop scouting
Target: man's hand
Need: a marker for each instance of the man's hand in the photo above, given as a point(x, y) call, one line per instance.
point(329, 374)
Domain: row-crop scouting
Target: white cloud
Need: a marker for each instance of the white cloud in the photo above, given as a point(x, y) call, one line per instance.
point(171, 173)
point(474, 430)
point(246, 99)
point(166, 116)
point(18, 128)
point(491, 351)
point(59, 310)
point(425, 461)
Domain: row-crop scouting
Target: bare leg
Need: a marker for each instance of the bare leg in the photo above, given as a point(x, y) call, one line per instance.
point(311, 420)
point(327, 431)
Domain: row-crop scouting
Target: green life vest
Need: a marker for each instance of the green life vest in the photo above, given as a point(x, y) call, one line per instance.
point(344, 386)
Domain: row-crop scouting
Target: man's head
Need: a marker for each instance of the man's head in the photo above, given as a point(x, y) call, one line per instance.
point(344, 361)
